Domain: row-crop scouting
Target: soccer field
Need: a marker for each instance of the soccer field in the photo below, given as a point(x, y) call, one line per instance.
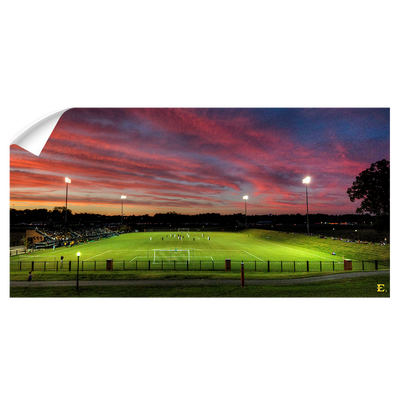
point(156, 246)
point(251, 247)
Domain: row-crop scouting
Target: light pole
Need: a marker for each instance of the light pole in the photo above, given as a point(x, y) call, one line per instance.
point(306, 181)
point(77, 271)
point(122, 209)
point(67, 180)
point(245, 210)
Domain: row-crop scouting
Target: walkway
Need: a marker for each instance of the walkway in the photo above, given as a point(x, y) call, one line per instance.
point(199, 282)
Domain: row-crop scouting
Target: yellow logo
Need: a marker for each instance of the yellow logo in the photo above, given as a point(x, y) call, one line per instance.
point(380, 287)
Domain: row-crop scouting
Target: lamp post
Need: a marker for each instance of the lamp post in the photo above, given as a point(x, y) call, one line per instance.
point(306, 181)
point(242, 275)
point(122, 209)
point(245, 210)
point(77, 271)
point(67, 180)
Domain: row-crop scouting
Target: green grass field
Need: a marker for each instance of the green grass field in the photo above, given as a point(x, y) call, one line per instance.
point(163, 250)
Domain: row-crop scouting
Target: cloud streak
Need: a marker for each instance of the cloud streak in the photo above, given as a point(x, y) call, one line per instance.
point(201, 160)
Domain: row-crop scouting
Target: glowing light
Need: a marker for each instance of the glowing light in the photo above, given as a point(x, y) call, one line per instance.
point(245, 197)
point(307, 180)
point(78, 253)
point(67, 180)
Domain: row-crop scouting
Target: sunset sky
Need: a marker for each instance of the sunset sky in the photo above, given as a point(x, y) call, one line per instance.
point(201, 160)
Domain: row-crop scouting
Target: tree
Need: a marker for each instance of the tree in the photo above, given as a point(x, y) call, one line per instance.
point(373, 187)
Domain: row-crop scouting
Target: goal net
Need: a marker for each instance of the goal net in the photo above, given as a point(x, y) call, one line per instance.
point(173, 254)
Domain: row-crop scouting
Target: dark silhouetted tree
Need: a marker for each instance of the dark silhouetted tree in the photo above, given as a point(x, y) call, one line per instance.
point(372, 186)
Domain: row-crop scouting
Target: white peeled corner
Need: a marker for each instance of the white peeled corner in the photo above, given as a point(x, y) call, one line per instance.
point(34, 137)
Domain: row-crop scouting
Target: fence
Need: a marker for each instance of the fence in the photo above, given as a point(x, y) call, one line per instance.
point(258, 266)
point(16, 252)
point(20, 251)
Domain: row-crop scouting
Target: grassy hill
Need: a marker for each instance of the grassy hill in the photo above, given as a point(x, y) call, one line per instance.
point(354, 251)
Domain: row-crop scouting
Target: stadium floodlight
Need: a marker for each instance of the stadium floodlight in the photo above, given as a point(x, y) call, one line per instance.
point(67, 180)
point(245, 198)
point(306, 181)
point(122, 209)
point(77, 270)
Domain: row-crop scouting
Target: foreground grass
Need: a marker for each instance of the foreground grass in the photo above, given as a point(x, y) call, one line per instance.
point(352, 287)
point(135, 275)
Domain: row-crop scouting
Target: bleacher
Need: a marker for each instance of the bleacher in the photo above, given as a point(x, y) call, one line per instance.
point(68, 237)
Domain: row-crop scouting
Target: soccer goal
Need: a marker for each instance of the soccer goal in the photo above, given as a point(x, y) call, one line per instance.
point(173, 254)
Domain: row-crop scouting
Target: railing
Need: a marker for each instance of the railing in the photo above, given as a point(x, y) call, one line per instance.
point(198, 265)
point(17, 252)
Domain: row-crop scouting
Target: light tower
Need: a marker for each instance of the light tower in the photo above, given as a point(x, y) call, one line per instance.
point(122, 209)
point(245, 198)
point(67, 180)
point(306, 181)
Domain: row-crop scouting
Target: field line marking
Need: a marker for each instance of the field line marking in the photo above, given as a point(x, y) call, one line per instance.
point(252, 255)
point(217, 250)
point(133, 259)
point(97, 255)
point(126, 250)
